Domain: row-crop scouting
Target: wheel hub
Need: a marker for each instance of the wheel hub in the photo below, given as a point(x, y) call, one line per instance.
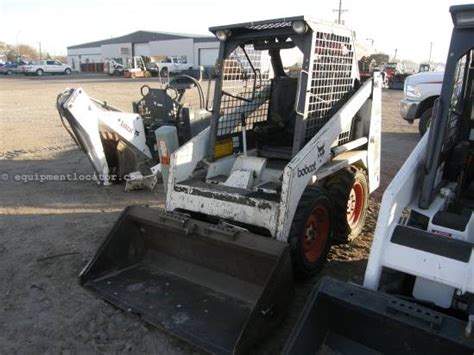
point(355, 204)
point(316, 234)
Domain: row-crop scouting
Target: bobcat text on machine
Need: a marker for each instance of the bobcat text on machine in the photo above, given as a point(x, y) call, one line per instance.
point(286, 164)
point(123, 145)
point(418, 294)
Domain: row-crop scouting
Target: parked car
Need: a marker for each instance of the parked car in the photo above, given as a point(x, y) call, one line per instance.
point(50, 66)
point(11, 68)
point(420, 92)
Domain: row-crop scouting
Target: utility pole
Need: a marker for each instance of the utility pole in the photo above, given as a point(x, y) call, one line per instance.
point(340, 11)
point(371, 40)
point(431, 49)
point(395, 56)
point(39, 45)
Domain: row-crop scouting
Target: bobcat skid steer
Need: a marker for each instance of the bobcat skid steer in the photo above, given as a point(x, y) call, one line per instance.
point(418, 294)
point(120, 143)
point(286, 164)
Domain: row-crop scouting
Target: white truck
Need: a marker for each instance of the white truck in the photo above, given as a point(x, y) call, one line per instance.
point(169, 65)
point(41, 67)
point(420, 92)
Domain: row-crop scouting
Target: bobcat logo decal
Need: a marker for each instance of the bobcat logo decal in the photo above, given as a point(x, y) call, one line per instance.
point(311, 168)
point(321, 150)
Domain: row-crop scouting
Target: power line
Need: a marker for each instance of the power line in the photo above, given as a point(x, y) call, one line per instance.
point(340, 11)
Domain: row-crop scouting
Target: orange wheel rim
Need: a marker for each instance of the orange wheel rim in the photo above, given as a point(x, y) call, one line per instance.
point(316, 234)
point(355, 204)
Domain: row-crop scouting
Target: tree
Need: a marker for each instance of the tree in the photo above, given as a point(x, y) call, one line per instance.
point(28, 51)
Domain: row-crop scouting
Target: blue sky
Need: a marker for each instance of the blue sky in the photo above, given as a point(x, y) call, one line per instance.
point(408, 26)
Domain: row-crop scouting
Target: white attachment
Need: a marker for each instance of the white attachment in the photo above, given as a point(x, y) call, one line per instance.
point(167, 142)
point(89, 119)
point(137, 181)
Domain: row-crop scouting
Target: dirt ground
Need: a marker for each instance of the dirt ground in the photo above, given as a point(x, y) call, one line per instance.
point(49, 230)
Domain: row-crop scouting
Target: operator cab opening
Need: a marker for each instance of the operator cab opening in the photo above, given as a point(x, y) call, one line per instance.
point(278, 83)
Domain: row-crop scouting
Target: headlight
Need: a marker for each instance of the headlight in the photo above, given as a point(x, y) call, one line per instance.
point(412, 92)
point(464, 19)
point(222, 35)
point(299, 27)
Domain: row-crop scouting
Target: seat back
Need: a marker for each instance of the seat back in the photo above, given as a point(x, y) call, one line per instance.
point(282, 102)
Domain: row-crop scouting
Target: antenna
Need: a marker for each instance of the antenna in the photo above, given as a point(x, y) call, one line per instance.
point(340, 11)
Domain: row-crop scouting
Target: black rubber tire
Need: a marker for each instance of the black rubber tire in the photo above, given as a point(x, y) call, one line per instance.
point(68, 71)
point(339, 187)
point(164, 73)
point(312, 198)
point(39, 72)
point(425, 121)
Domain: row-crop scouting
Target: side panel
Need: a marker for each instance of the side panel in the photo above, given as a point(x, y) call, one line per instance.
point(299, 172)
point(375, 130)
point(184, 161)
point(398, 195)
point(129, 127)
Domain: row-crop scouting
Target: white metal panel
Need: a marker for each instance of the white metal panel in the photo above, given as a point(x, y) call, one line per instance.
point(86, 117)
point(117, 50)
point(399, 194)
point(141, 49)
point(175, 47)
point(301, 169)
point(375, 133)
point(208, 56)
point(264, 214)
point(212, 45)
point(430, 266)
point(84, 51)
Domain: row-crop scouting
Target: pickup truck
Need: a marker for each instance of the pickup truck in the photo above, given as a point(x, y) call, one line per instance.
point(169, 65)
point(420, 92)
point(41, 67)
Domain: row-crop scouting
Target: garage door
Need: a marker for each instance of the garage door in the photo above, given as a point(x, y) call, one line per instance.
point(142, 49)
point(208, 56)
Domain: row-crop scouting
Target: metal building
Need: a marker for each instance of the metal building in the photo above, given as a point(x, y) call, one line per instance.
point(196, 49)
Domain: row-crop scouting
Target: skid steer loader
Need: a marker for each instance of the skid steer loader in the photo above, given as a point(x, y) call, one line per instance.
point(418, 294)
point(120, 143)
point(286, 164)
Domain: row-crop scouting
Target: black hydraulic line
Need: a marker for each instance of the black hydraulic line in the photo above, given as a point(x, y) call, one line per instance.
point(198, 86)
point(60, 109)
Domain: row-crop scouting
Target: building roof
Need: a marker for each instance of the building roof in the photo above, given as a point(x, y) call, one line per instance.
point(144, 36)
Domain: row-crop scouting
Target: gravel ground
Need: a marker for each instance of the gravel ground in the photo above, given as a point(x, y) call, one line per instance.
point(49, 230)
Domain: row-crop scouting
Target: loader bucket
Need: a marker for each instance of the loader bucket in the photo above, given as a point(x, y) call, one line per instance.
point(220, 288)
point(341, 318)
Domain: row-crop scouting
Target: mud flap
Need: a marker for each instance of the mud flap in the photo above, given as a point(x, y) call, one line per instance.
point(217, 287)
point(342, 318)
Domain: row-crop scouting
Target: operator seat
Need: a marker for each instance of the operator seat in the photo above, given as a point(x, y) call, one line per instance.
point(278, 130)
